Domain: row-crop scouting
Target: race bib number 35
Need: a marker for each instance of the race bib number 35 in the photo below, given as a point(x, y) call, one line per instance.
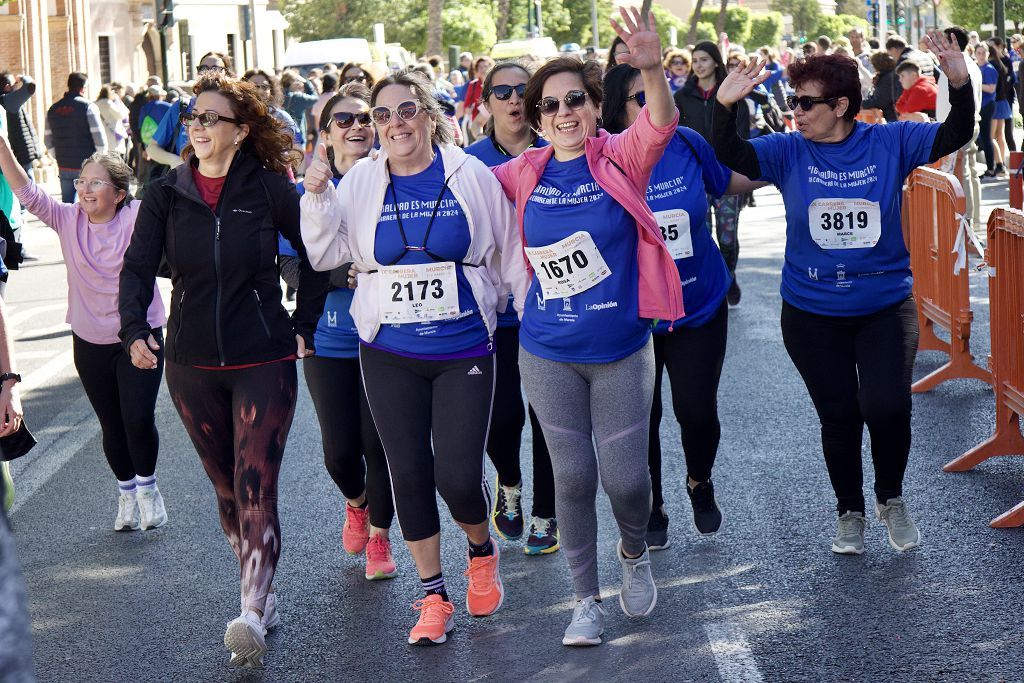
point(568, 267)
point(844, 223)
point(424, 292)
point(675, 229)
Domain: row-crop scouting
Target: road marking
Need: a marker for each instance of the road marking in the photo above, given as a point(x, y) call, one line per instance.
point(18, 319)
point(34, 334)
point(733, 657)
point(45, 372)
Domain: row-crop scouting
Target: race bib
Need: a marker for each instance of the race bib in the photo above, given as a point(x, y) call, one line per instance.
point(425, 292)
point(675, 229)
point(568, 267)
point(844, 223)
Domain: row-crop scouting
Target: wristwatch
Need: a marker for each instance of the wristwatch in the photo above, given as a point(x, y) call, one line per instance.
point(10, 375)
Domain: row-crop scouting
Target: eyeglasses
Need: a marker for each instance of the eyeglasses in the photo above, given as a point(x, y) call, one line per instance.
point(208, 119)
point(640, 97)
point(345, 119)
point(94, 185)
point(504, 92)
point(406, 111)
point(806, 102)
point(733, 65)
point(355, 79)
point(677, 62)
point(574, 99)
point(263, 86)
point(208, 68)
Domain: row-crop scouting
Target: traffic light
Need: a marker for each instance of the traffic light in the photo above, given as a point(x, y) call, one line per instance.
point(901, 12)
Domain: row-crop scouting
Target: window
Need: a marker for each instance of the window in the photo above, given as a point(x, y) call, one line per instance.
point(105, 71)
point(185, 47)
point(231, 48)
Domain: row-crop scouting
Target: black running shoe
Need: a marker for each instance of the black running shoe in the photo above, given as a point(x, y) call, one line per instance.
point(707, 516)
point(733, 296)
point(507, 515)
point(657, 531)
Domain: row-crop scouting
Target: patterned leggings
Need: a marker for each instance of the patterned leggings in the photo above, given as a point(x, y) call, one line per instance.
point(238, 421)
point(726, 210)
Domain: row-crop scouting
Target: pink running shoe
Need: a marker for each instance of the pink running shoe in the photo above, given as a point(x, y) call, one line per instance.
point(379, 564)
point(356, 532)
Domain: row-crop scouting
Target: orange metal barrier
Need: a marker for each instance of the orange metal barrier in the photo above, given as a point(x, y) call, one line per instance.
point(934, 226)
point(1006, 292)
point(871, 116)
point(1017, 180)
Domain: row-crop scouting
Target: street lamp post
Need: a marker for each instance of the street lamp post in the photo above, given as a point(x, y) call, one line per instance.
point(593, 21)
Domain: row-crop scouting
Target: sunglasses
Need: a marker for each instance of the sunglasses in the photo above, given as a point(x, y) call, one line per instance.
point(677, 62)
point(208, 119)
point(640, 97)
point(355, 79)
point(94, 185)
point(504, 92)
point(207, 68)
point(345, 119)
point(263, 86)
point(406, 111)
point(574, 99)
point(806, 102)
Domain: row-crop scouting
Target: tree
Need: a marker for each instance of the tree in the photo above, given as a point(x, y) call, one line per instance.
point(805, 13)
point(857, 8)
point(467, 25)
point(737, 23)
point(504, 6)
point(839, 25)
point(665, 20)
point(435, 25)
point(322, 19)
point(765, 29)
point(720, 21)
point(691, 37)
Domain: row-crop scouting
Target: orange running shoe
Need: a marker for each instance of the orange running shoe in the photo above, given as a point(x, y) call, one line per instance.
point(379, 563)
point(435, 622)
point(485, 592)
point(356, 532)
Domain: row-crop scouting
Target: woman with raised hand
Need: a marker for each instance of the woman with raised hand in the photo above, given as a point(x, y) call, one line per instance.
point(423, 222)
point(353, 453)
point(599, 274)
point(509, 136)
point(94, 233)
point(849, 319)
point(231, 346)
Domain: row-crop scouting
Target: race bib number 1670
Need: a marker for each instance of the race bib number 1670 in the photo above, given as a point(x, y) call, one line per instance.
point(844, 223)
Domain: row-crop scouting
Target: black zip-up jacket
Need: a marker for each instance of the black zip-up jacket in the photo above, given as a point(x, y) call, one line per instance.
point(226, 297)
point(696, 112)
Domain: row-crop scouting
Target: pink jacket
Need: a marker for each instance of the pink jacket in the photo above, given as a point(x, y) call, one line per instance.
point(621, 165)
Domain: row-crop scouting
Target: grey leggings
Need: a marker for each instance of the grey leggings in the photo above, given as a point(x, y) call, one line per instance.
point(576, 404)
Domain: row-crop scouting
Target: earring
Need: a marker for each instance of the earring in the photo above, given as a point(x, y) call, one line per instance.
point(236, 142)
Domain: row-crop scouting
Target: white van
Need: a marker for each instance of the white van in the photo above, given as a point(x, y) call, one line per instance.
point(316, 53)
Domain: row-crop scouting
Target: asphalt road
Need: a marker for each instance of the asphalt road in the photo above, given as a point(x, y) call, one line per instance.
point(765, 600)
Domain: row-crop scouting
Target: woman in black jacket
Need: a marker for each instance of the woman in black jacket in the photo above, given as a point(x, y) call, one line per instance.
point(231, 346)
point(887, 87)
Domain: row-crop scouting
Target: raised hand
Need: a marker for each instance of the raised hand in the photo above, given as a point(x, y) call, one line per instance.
point(951, 59)
point(742, 82)
point(319, 172)
point(640, 37)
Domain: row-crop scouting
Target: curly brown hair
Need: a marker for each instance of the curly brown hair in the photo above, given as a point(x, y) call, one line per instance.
point(268, 139)
point(588, 71)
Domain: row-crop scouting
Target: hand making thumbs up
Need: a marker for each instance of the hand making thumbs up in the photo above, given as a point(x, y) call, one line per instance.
point(319, 173)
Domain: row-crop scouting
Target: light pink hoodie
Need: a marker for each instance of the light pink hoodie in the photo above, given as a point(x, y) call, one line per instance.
point(621, 164)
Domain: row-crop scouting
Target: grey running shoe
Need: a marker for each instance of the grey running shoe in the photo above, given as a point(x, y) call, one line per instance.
point(639, 595)
point(849, 538)
point(903, 533)
point(587, 623)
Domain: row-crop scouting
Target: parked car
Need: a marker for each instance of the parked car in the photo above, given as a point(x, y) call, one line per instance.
point(315, 53)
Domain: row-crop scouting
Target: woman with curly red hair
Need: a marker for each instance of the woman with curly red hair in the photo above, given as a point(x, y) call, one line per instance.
point(231, 346)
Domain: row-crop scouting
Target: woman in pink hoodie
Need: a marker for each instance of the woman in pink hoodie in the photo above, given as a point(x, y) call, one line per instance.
point(600, 274)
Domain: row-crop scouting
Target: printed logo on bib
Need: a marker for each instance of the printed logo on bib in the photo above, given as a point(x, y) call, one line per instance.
point(568, 267)
point(675, 230)
point(844, 223)
point(424, 292)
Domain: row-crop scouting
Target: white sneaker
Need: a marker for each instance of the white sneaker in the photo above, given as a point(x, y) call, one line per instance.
point(270, 616)
point(127, 513)
point(639, 593)
point(587, 625)
point(151, 508)
point(244, 638)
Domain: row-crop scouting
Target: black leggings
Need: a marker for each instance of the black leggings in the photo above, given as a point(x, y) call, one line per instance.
point(507, 421)
point(858, 370)
point(985, 135)
point(124, 398)
point(444, 402)
point(348, 434)
point(694, 357)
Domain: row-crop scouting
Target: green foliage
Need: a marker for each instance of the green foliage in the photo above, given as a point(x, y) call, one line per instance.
point(664, 20)
point(706, 31)
point(837, 26)
point(579, 30)
point(737, 23)
point(857, 8)
point(467, 25)
point(765, 29)
point(805, 14)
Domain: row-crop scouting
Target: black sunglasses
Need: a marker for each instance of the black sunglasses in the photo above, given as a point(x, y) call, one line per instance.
point(208, 119)
point(355, 79)
point(204, 68)
point(807, 102)
point(406, 111)
point(504, 92)
point(574, 99)
point(640, 96)
point(345, 119)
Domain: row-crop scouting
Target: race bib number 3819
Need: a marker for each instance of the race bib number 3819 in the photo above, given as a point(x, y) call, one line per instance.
point(568, 267)
point(844, 223)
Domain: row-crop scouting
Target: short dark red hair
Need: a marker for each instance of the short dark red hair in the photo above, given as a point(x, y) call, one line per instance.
point(837, 75)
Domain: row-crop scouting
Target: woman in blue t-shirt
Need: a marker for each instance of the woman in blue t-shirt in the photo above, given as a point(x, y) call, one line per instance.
point(332, 375)
point(694, 349)
point(989, 84)
point(508, 135)
point(849, 320)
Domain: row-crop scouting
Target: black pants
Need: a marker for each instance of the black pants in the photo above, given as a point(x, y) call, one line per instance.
point(124, 398)
point(858, 370)
point(985, 135)
point(445, 402)
point(693, 357)
point(348, 434)
point(507, 421)
point(1011, 143)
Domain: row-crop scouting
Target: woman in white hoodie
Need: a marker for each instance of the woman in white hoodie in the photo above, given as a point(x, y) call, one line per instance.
point(424, 223)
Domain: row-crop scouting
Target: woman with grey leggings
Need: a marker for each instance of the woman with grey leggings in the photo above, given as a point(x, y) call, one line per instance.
point(600, 272)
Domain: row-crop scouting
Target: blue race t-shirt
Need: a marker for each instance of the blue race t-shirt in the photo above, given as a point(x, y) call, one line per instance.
point(601, 324)
point(680, 183)
point(417, 196)
point(165, 131)
point(845, 253)
point(151, 115)
point(289, 124)
point(989, 76)
point(336, 335)
point(487, 150)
